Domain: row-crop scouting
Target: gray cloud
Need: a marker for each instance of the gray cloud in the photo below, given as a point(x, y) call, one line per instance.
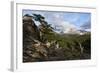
point(86, 25)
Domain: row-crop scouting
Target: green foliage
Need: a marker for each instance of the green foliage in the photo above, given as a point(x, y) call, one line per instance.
point(70, 43)
point(38, 17)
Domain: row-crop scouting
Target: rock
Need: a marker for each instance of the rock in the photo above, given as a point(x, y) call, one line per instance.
point(31, 36)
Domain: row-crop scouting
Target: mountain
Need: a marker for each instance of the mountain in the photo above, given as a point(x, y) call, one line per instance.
point(44, 43)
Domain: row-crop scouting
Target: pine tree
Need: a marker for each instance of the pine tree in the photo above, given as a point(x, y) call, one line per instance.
point(44, 27)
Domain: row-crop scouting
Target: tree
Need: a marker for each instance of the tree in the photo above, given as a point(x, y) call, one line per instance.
point(44, 27)
point(41, 19)
point(38, 17)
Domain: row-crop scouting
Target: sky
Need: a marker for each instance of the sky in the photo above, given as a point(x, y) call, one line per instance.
point(64, 21)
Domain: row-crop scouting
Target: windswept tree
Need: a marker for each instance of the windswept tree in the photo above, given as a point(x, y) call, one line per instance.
point(38, 17)
point(44, 27)
point(41, 19)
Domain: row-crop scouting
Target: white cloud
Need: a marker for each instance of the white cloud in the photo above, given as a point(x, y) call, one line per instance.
point(68, 27)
